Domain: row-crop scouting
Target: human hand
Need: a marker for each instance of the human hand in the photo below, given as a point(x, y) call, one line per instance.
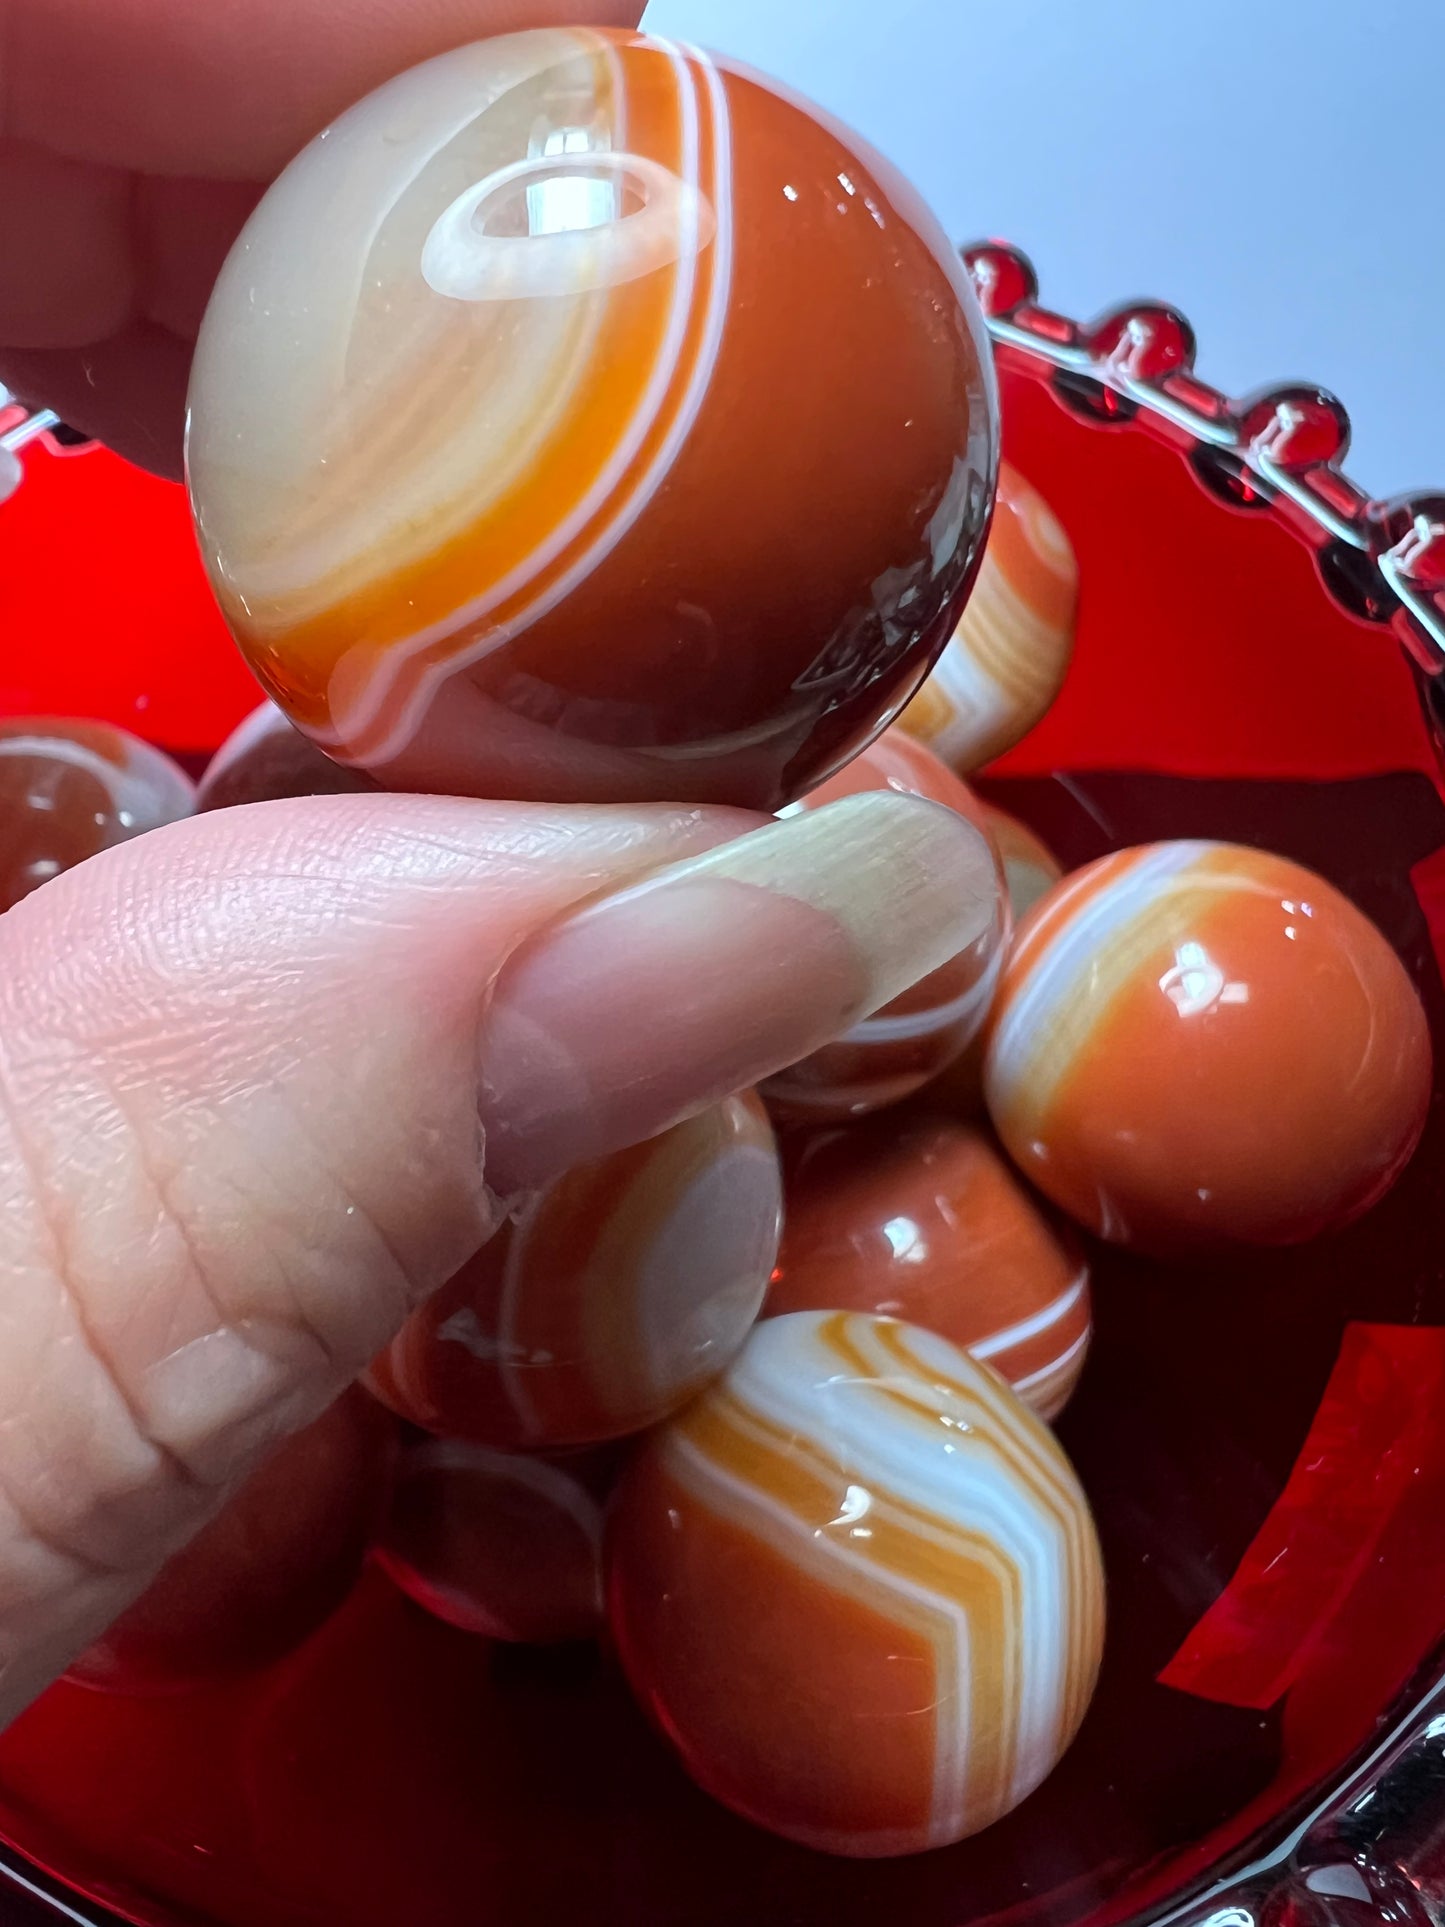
point(268, 1076)
point(136, 136)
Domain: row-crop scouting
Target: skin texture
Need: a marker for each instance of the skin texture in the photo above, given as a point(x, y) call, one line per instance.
point(268, 1076)
point(135, 138)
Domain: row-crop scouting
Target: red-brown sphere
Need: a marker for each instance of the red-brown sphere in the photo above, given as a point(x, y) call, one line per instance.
point(584, 418)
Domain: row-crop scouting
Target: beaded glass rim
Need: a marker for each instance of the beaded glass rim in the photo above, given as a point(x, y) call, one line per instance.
point(1281, 447)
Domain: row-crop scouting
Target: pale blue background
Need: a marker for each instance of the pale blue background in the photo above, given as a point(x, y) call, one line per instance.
point(1275, 168)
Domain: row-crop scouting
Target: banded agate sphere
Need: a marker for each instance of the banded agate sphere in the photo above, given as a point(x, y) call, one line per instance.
point(583, 418)
point(857, 1587)
point(609, 1298)
point(1198, 1045)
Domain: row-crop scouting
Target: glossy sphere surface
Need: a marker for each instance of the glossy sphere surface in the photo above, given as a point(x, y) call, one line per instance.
point(893, 1053)
point(857, 1585)
point(267, 1571)
point(1198, 1043)
point(69, 790)
point(496, 1543)
point(583, 418)
point(919, 1217)
point(1007, 659)
point(613, 1295)
point(266, 758)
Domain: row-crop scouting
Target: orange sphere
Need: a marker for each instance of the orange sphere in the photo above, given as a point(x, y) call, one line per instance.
point(614, 1294)
point(920, 1218)
point(1199, 1044)
point(857, 1587)
point(897, 1050)
point(1006, 661)
point(583, 418)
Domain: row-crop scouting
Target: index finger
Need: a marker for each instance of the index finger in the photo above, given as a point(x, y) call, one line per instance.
point(230, 89)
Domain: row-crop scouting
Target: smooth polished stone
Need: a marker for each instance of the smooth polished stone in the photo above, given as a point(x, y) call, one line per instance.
point(857, 1587)
point(1198, 1044)
point(583, 417)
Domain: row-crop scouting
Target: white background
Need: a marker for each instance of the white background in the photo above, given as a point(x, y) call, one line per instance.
point(1275, 168)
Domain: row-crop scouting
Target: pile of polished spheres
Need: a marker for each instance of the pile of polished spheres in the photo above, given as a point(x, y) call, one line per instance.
point(585, 419)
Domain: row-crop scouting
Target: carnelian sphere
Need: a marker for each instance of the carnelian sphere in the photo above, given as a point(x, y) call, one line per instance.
point(1197, 1044)
point(856, 1584)
point(582, 417)
point(894, 1052)
point(608, 1298)
point(920, 1217)
point(70, 789)
point(498, 1543)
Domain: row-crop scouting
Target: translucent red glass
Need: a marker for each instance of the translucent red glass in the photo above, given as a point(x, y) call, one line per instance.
point(1264, 1443)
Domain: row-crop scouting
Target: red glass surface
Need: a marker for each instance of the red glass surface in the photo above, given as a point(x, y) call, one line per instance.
point(1264, 1443)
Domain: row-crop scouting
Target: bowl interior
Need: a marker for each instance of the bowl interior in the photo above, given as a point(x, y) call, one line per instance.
point(1263, 1444)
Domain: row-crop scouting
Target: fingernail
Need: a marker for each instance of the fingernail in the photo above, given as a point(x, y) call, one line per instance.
point(649, 1004)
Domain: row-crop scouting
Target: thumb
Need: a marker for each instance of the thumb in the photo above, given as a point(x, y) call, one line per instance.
point(263, 1075)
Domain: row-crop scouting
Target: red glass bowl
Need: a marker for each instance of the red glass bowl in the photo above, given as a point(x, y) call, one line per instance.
point(1258, 655)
